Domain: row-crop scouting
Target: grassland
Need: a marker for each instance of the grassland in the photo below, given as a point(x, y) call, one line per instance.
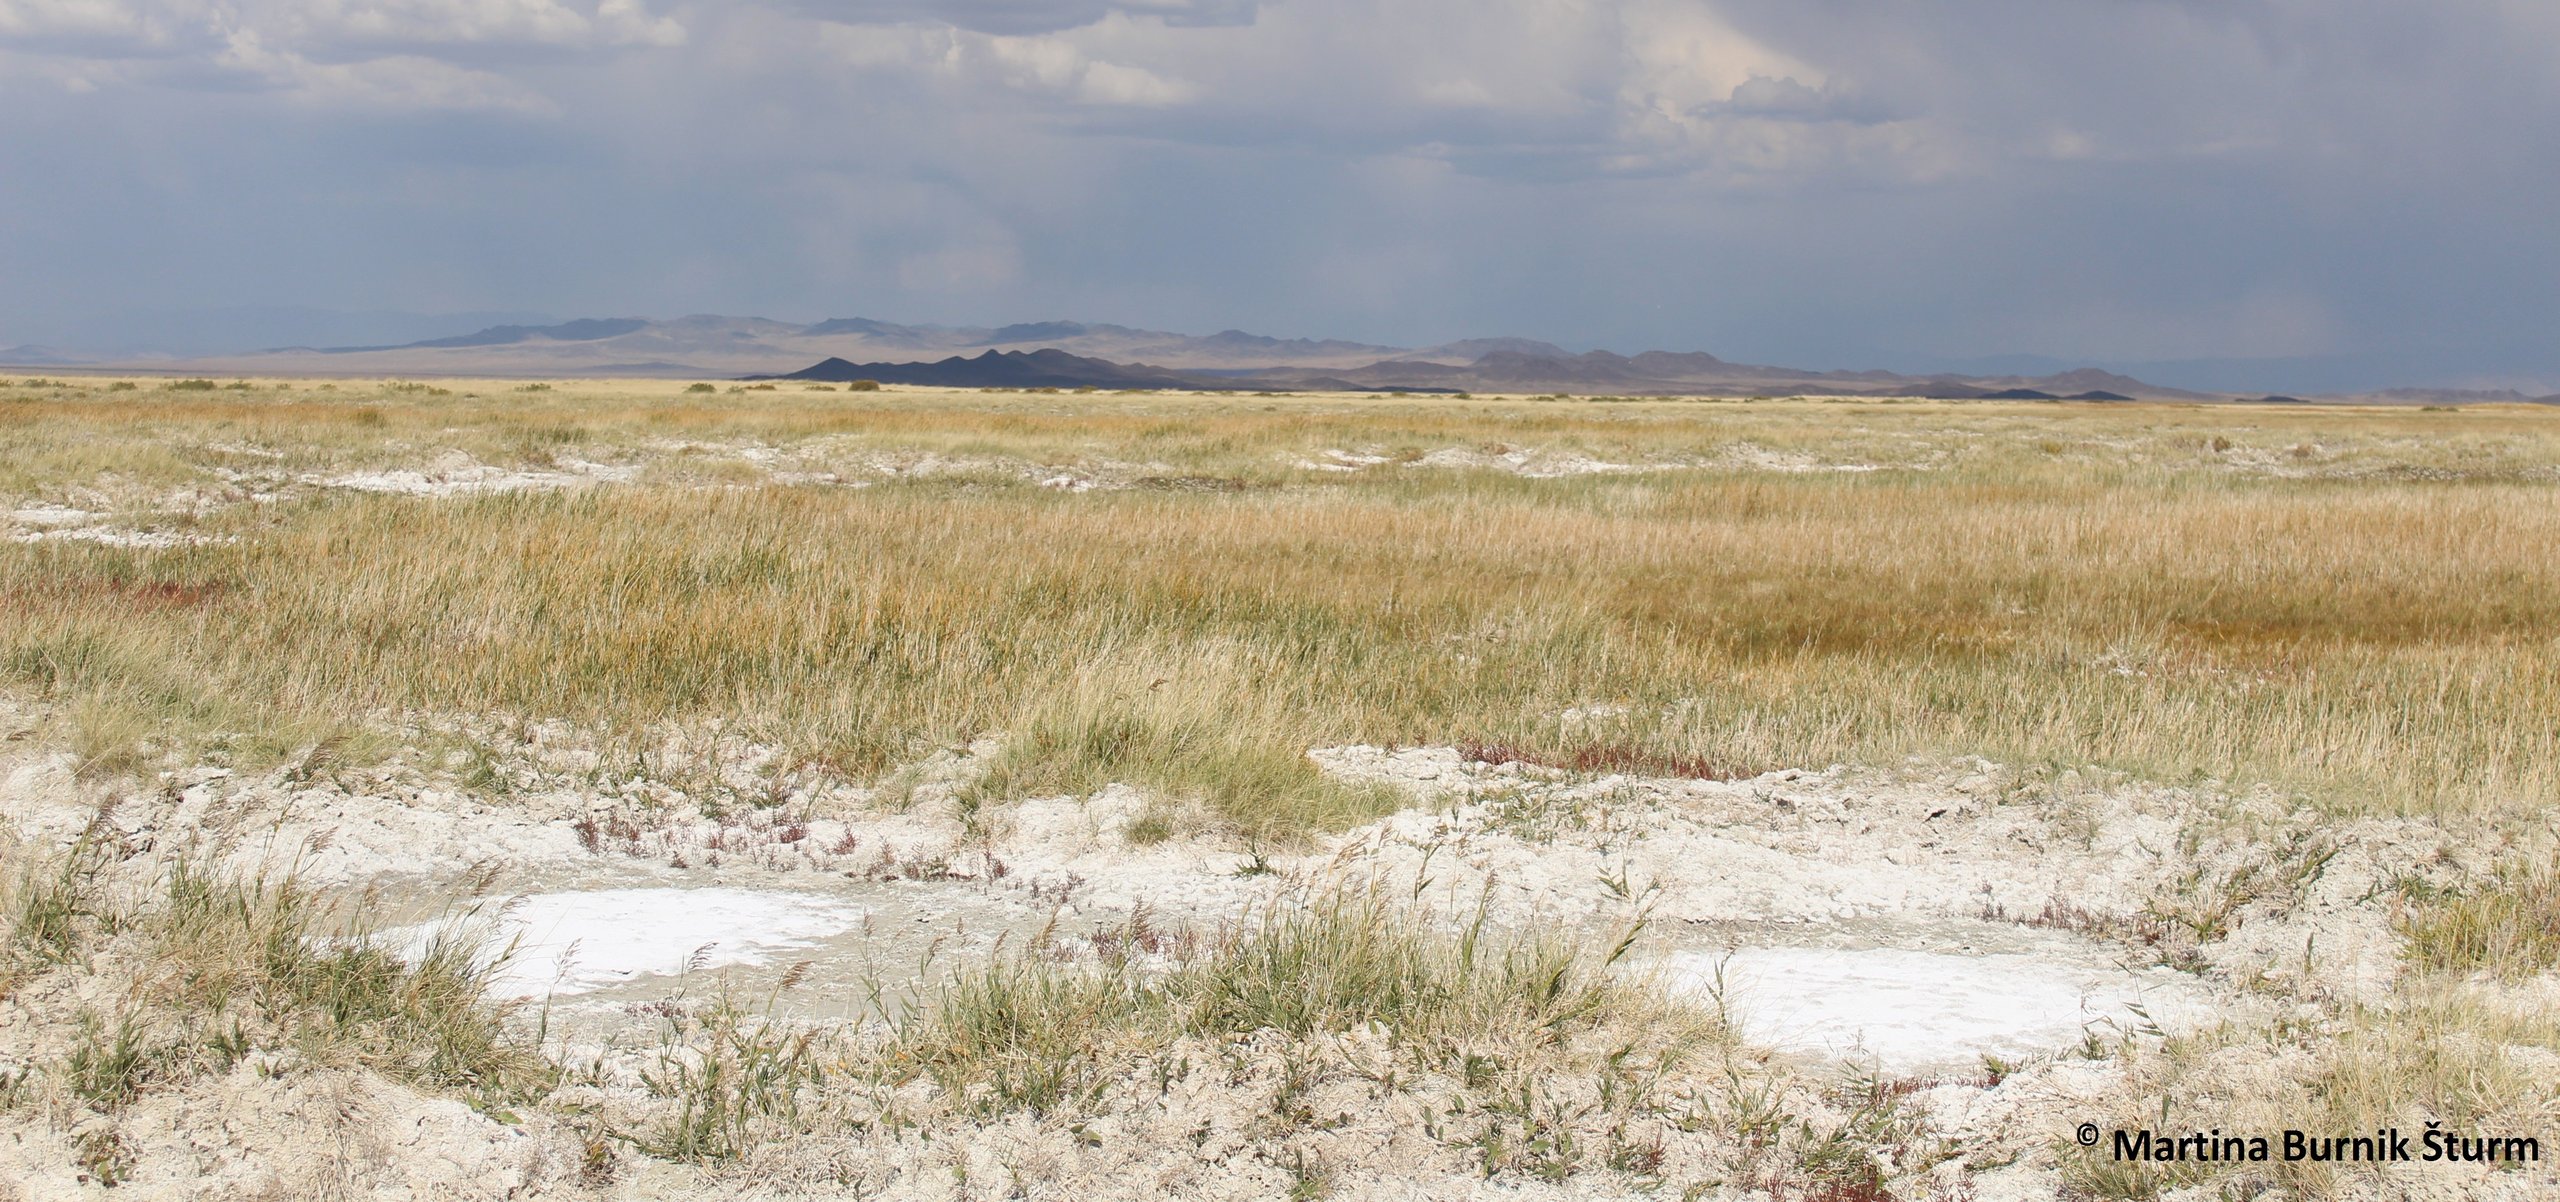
point(2358, 604)
point(2353, 608)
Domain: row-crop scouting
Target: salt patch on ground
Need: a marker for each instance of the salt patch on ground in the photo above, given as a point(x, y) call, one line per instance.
point(579, 942)
point(458, 474)
point(52, 515)
point(107, 536)
point(1911, 1012)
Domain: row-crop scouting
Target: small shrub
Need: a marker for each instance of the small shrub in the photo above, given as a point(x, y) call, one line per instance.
point(701, 388)
point(870, 386)
point(105, 1159)
point(189, 386)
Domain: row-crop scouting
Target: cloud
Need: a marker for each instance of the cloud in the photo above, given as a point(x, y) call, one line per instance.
point(1042, 68)
point(371, 53)
point(1814, 180)
point(1526, 88)
point(388, 82)
point(355, 27)
point(104, 28)
point(1025, 17)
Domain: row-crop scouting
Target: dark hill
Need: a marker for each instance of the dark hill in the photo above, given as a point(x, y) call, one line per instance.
point(1005, 369)
point(1940, 390)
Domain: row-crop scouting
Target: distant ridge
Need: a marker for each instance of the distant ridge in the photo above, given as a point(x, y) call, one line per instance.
point(1078, 354)
point(1471, 349)
point(1002, 369)
point(1505, 368)
point(1598, 372)
point(1037, 331)
point(586, 329)
point(859, 325)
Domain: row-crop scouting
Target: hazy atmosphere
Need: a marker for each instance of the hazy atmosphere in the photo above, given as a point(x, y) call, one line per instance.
point(2251, 195)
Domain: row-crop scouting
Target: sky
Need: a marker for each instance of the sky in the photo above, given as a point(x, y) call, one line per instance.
point(2243, 193)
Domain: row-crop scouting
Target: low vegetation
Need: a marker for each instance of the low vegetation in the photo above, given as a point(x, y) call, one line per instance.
point(201, 972)
point(2508, 926)
point(1034, 1032)
point(2126, 598)
point(2349, 608)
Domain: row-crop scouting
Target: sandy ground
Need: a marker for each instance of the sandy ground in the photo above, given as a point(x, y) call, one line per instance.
point(1895, 925)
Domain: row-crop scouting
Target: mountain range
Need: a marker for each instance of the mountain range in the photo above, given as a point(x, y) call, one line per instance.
point(1495, 371)
point(1081, 354)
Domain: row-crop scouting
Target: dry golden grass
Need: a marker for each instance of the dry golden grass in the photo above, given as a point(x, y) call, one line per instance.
point(2355, 605)
point(195, 971)
point(2064, 584)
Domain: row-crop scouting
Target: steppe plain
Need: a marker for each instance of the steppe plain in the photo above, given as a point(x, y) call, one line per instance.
point(1053, 795)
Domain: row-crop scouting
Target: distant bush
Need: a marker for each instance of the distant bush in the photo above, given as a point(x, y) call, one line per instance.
point(190, 386)
point(702, 388)
point(535, 388)
point(863, 386)
point(123, 386)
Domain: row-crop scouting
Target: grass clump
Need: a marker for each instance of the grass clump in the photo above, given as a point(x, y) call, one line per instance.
point(1175, 744)
point(2432, 1053)
point(2508, 926)
point(735, 1077)
point(210, 970)
point(1034, 1032)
